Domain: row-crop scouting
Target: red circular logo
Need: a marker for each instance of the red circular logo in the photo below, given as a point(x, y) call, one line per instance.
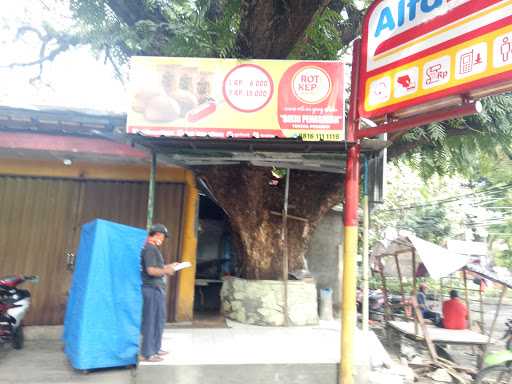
point(248, 88)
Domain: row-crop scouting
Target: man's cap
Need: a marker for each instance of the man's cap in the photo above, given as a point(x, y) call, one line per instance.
point(159, 228)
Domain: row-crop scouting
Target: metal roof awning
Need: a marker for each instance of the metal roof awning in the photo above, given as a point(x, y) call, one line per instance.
point(438, 261)
point(69, 124)
point(282, 153)
point(60, 120)
point(489, 275)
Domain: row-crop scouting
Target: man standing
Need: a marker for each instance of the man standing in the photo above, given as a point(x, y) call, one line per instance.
point(455, 312)
point(154, 273)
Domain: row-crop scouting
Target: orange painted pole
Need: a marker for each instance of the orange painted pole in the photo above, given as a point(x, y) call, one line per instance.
point(350, 222)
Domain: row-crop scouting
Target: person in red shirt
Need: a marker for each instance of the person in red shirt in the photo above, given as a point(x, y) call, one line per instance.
point(455, 312)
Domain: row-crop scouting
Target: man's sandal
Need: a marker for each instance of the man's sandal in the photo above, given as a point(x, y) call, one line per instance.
point(152, 359)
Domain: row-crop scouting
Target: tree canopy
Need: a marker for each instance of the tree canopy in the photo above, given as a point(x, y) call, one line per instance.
point(294, 29)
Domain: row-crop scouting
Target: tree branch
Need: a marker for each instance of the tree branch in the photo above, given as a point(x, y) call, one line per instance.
point(270, 29)
point(318, 14)
point(117, 70)
point(63, 43)
point(132, 11)
point(351, 28)
point(401, 147)
point(135, 15)
point(215, 10)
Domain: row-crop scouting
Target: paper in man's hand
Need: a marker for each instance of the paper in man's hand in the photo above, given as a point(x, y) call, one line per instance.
point(180, 266)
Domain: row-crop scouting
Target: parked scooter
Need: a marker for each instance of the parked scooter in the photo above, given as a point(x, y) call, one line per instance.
point(14, 305)
point(376, 303)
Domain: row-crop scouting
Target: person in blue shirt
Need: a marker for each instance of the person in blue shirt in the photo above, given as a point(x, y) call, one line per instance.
point(426, 312)
point(154, 272)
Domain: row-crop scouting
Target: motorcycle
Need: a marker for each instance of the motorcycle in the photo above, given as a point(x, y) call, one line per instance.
point(376, 303)
point(14, 305)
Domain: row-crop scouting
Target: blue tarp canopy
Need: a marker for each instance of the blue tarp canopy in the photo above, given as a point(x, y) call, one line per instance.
point(104, 309)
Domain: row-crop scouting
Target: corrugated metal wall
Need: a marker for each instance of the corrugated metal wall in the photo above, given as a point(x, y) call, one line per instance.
point(40, 221)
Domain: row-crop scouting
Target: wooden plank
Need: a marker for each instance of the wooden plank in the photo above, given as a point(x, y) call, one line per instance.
point(400, 279)
point(284, 239)
point(493, 325)
point(387, 312)
point(482, 320)
point(451, 369)
point(441, 335)
point(466, 296)
point(290, 216)
point(428, 340)
point(414, 289)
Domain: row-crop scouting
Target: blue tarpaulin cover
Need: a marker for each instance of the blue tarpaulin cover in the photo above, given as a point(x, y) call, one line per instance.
point(104, 309)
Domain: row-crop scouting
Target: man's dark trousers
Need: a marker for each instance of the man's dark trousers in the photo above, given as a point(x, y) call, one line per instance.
point(153, 319)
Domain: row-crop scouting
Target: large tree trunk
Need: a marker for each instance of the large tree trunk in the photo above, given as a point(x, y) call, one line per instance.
point(246, 194)
point(270, 29)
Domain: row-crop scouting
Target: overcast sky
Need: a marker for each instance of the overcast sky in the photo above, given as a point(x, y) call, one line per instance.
point(74, 79)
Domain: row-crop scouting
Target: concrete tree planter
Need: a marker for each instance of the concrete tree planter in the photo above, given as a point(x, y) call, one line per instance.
point(260, 302)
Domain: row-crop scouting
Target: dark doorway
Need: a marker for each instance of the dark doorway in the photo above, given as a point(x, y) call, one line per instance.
point(215, 259)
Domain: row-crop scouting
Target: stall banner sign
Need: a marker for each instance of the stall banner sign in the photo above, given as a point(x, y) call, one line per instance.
point(416, 51)
point(229, 98)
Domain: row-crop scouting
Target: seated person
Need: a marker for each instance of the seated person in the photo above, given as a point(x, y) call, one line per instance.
point(426, 312)
point(455, 312)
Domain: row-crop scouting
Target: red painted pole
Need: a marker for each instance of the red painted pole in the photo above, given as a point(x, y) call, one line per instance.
point(349, 265)
point(353, 115)
point(350, 217)
point(417, 121)
point(348, 316)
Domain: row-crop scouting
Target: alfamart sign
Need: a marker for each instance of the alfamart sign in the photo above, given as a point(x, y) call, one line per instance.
point(224, 98)
point(415, 51)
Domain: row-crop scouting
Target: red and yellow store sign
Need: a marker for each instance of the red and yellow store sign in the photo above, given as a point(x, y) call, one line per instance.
point(223, 98)
point(416, 51)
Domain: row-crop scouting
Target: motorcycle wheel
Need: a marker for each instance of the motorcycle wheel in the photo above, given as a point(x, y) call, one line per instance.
point(496, 374)
point(17, 338)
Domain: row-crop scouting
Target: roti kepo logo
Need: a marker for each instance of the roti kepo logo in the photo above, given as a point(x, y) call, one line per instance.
point(311, 85)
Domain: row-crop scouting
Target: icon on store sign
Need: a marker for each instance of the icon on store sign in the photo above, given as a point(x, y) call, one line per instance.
point(406, 82)
point(380, 91)
point(435, 74)
point(506, 49)
point(471, 60)
point(467, 62)
point(502, 50)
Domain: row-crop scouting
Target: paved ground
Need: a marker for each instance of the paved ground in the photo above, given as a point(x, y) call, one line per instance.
point(229, 355)
point(42, 362)
point(239, 354)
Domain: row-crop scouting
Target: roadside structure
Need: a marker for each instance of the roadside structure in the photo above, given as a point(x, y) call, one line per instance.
point(60, 169)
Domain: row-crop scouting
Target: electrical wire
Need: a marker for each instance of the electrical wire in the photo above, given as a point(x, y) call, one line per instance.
point(489, 192)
